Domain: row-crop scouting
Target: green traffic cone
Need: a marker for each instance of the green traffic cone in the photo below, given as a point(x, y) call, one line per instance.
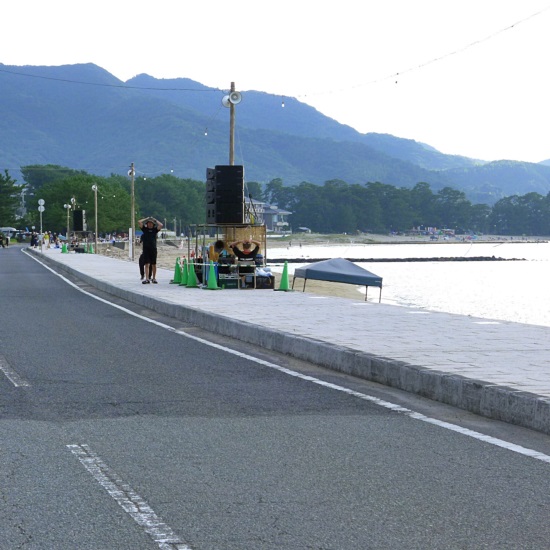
point(184, 273)
point(177, 273)
point(91, 251)
point(63, 248)
point(192, 276)
point(283, 285)
point(212, 282)
point(85, 246)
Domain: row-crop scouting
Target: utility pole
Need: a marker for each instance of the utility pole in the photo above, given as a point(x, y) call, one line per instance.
point(232, 128)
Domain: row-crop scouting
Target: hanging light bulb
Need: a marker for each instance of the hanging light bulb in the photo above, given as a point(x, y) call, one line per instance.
point(206, 131)
point(283, 102)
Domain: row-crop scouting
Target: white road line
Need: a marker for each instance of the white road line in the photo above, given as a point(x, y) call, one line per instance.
point(11, 375)
point(128, 499)
point(391, 406)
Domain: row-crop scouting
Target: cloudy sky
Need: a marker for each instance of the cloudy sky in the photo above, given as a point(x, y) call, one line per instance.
point(468, 77)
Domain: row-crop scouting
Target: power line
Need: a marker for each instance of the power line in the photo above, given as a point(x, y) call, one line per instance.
point(434, 60)
point(69, 81)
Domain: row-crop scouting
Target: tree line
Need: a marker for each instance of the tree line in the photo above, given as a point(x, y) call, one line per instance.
point(334, 207)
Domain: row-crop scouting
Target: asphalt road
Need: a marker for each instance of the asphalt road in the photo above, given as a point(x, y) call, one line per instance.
point(121, 433)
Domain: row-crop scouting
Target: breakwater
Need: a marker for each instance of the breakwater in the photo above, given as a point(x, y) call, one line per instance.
point(381, 260)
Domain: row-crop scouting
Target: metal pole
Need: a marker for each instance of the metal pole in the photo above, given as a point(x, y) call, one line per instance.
point(94, 187)
point(133, 213)
point(232, 129)
point(68, 207)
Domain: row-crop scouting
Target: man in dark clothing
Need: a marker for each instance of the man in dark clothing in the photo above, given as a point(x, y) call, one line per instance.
point(150, 227)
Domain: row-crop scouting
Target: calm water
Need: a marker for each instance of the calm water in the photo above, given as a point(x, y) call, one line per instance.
point(517, 291)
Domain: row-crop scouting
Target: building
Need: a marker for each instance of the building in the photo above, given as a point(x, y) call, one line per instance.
point(274, 218)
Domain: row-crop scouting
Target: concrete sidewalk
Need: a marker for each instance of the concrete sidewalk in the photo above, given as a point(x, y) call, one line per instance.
point(493, 368)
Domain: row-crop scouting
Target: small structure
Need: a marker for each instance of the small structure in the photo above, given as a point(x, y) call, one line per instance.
point(339, 270)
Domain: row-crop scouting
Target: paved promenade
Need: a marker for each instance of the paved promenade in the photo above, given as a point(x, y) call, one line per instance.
point(494, 368)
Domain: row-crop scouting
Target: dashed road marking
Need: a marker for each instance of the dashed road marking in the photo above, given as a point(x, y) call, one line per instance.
point(128, 499)
point(11, 375)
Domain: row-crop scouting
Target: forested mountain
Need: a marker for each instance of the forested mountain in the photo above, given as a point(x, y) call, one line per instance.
point(82, 117)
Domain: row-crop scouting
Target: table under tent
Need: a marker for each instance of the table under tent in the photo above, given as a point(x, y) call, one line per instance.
point(339, 270)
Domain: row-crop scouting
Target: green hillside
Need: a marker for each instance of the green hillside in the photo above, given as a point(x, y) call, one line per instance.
point(82, 117)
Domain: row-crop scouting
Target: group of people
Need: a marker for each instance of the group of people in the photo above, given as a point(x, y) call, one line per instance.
point(244, 250)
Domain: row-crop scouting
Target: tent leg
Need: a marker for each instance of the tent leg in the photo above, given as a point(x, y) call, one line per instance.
point(304, 289)
point(380, 295)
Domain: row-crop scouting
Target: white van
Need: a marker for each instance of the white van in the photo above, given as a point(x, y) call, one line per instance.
point(8, 231)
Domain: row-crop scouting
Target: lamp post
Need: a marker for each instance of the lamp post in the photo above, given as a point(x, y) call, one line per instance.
point(132, 174)
point(68, 207)
point(94, 189)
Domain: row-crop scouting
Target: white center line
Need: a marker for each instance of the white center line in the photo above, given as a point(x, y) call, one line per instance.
point(128, 499)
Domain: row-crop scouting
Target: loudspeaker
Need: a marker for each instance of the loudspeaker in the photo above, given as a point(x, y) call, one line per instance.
point(229, 204)
point(78, 220)
point(230, 214)
point(210, 196)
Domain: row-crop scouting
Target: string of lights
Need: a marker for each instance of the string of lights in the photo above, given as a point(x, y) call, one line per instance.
point(368, 83)
point(195, 140)
point(395, 76)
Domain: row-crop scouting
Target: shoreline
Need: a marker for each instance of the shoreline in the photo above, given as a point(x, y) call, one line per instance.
point(169, 253)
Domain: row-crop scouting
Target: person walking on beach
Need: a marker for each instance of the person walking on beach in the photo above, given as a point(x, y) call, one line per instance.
point(150, 227)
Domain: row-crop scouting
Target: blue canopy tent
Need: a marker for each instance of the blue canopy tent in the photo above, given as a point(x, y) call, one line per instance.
point(338, 270)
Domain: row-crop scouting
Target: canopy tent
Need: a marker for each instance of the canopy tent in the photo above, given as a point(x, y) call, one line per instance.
point(338, 270)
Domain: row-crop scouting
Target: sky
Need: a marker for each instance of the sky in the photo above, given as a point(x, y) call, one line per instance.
point(468, 77)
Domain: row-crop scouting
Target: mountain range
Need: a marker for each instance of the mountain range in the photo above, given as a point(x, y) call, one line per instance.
point(84, 118)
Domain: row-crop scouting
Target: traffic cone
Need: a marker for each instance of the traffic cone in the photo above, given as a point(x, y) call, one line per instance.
point(184, 273)
point(283, 284)
point(64, 249)
point(177, 273)
point(85, 246)
point(192, 276)
point(91, 251)
point(212, 282)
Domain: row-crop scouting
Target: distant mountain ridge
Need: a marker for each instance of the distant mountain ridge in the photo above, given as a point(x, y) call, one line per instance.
point(82, 117)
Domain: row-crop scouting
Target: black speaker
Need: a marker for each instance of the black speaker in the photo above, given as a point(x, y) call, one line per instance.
point(230, 213)
point(210, 196)
point(229, 194)
point(78, 220)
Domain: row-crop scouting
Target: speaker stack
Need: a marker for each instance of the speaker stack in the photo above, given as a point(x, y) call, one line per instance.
point(210, 196)
point(225, 204)
point(78, 220)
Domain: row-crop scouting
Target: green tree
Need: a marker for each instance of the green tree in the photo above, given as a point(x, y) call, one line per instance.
point(37, 175)
point(255, 189)
point(9, 200)
point(453, 208)
point(113, 203)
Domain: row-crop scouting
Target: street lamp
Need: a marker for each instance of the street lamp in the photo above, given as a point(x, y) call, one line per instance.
point(94, 189)
point(68, 207)
point(132, 174)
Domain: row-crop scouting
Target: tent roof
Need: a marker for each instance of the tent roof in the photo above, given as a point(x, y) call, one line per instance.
point(338, 270)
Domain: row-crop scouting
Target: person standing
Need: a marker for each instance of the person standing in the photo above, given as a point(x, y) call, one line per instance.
point(150, 227)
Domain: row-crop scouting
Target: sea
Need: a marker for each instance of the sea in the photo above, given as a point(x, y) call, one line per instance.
point(516, 290)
